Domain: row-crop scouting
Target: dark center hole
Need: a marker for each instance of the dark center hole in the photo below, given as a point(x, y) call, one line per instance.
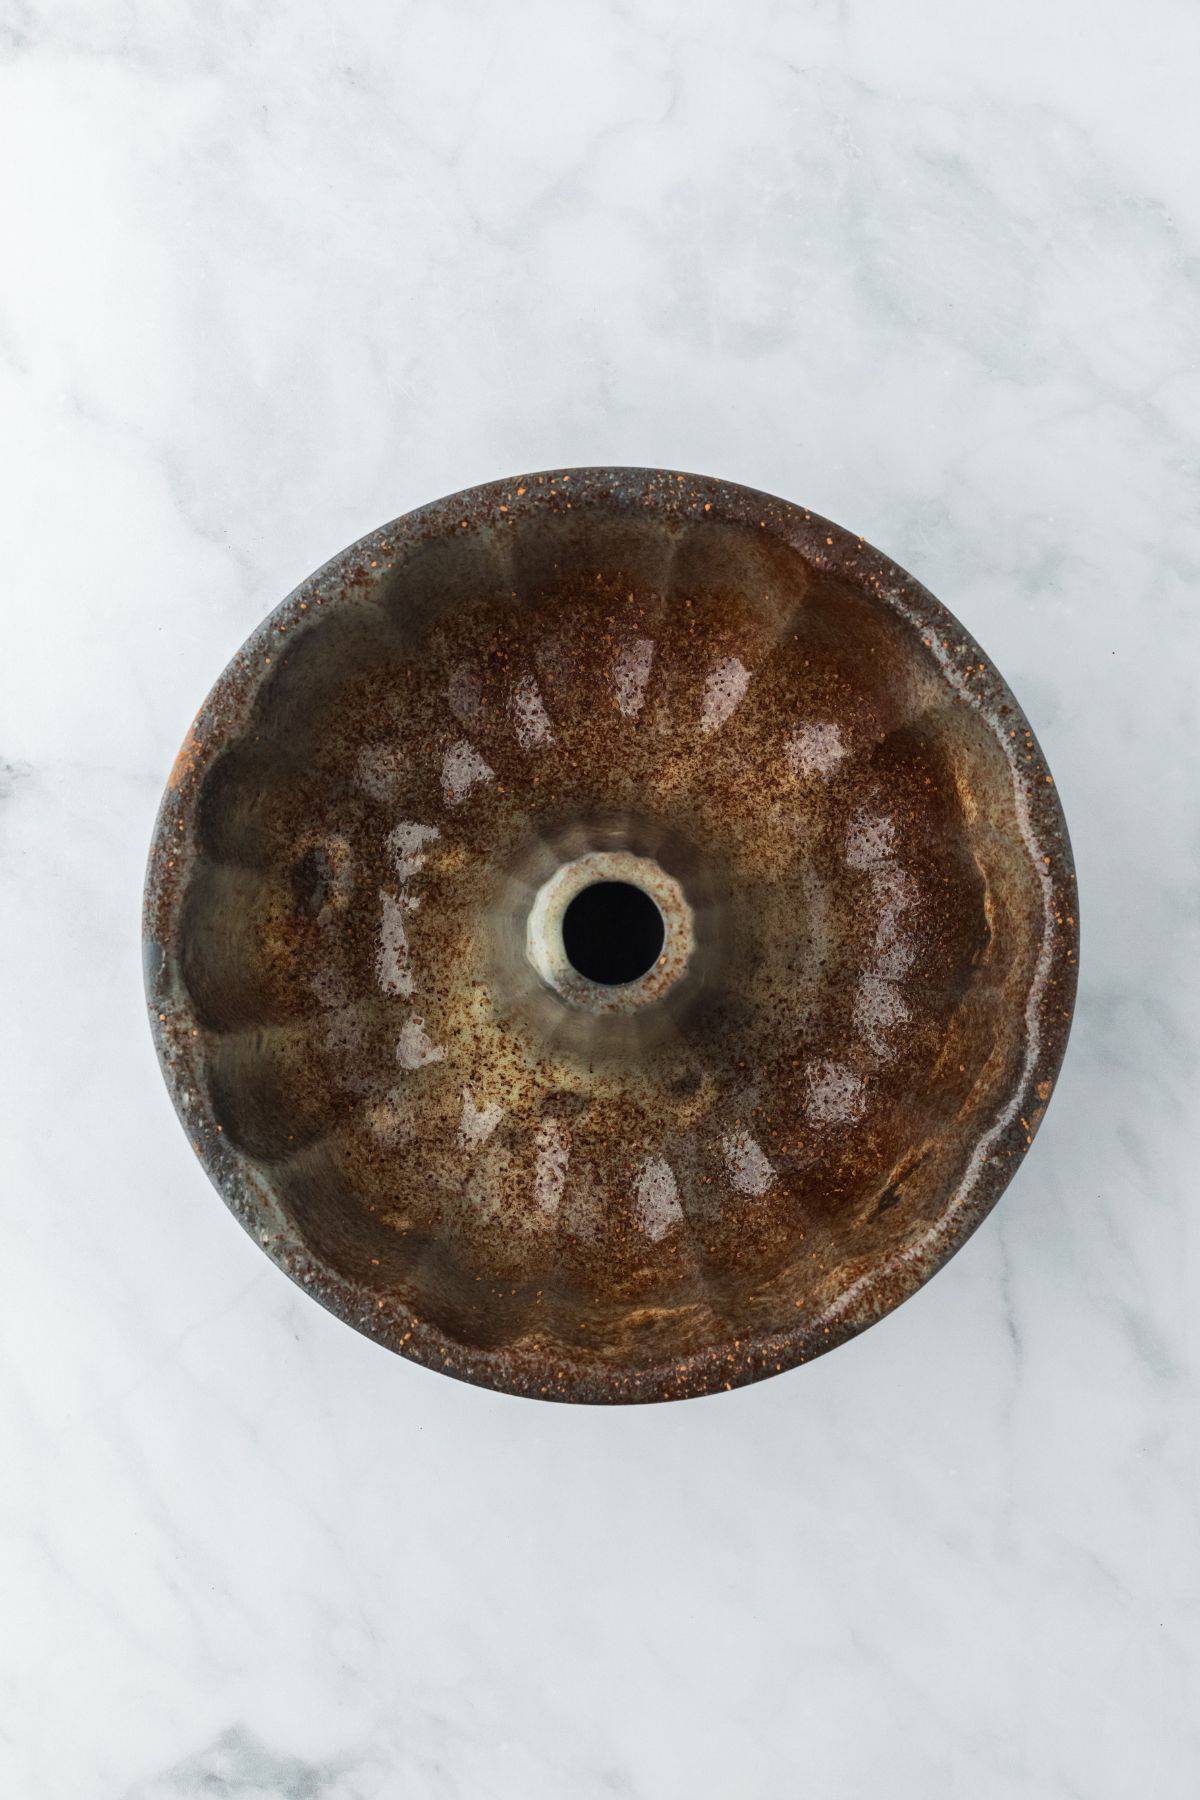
point(612, 932)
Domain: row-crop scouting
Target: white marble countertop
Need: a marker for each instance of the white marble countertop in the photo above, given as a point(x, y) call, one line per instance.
point(275, 273)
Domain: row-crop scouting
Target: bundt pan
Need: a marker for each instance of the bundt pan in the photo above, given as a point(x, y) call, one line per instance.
point(611, 935)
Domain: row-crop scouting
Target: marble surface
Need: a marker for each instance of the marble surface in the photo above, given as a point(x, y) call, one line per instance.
point(275, 273)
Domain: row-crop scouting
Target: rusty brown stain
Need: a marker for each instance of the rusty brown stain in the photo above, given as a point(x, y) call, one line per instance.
point(185, 763)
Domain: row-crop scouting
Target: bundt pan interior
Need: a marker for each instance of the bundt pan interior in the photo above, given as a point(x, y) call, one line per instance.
point(611, 935)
